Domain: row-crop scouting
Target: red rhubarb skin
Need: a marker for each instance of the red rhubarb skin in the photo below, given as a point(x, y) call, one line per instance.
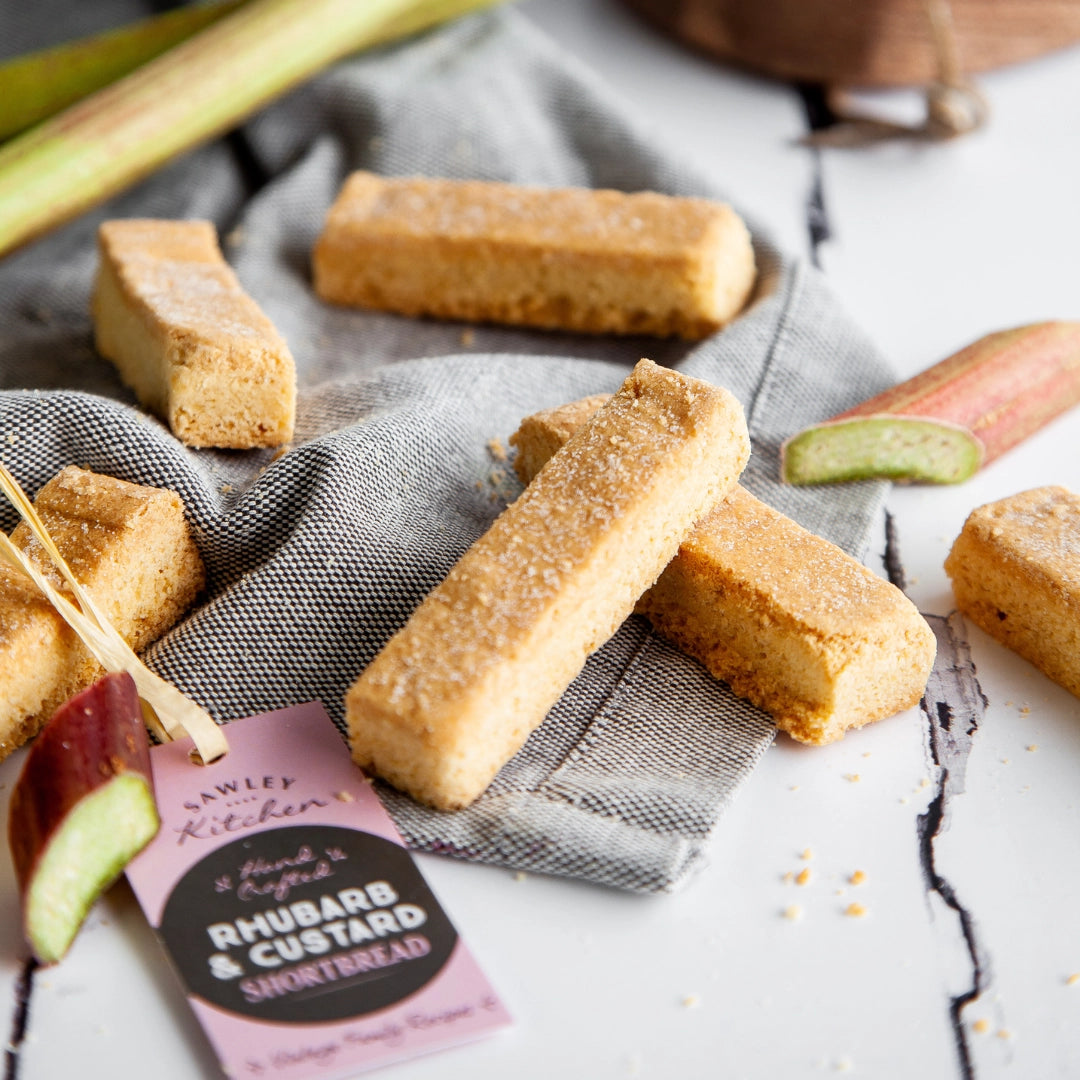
point(1002, 388)
point(92, 738)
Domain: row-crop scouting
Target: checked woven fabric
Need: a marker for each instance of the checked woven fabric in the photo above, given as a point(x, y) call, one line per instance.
point(317, 555)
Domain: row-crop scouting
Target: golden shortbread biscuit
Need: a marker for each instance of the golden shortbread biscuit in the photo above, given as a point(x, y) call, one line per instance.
point(1015, 570)
point(171, 315)
point(567, 258)
point(458, 690)
point(130, 546)
point(788, 620)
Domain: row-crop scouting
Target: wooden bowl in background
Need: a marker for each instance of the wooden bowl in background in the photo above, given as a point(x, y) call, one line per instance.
point(864, 42)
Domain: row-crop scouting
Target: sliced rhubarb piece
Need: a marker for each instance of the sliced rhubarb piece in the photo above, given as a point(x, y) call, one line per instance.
point(81, 809)
point(945, 423)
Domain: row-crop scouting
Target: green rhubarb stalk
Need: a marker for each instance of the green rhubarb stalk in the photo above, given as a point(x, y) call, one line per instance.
point(947, 422)
point(37, 85)
point(196, 90)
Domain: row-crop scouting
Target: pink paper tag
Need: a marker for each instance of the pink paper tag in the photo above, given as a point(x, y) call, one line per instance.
point(305, 936)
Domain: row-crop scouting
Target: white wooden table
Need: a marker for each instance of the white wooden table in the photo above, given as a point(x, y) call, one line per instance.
point(960, 966)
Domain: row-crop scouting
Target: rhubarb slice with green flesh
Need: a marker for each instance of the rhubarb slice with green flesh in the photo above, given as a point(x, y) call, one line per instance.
point(82, 808)
point(944, 424)
point(882, 447)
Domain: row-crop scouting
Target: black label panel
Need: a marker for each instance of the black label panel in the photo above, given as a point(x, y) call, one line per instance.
point(306, 924)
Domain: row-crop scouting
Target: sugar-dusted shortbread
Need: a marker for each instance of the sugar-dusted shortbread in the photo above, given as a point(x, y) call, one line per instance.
point(1015, 570)
point(788, 620)
point(567, 258)
point(131, 548)
point(171, 315)
point(457, 691)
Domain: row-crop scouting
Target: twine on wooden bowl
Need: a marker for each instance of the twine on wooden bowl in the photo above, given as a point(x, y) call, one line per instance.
point(954, 104)
point(838, 44)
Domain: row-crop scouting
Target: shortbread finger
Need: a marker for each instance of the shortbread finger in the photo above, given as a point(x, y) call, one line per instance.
point(130, 546)
point(195, 348)
point(788, 620)
point(457, 691)
point(1015, 570)
point(570, 258)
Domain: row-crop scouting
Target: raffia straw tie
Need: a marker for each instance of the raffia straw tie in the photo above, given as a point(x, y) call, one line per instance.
point(168, 714)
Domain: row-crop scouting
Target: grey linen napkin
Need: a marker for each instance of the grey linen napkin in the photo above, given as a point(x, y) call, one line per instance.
point(318, 555)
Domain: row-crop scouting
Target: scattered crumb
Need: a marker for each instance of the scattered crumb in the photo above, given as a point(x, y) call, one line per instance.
point(788, 878)
point(852, 777)
point(1025, 710)
point(691, 1001)
point(1004, 761)
point(843, 1064)
point(496, 449)
point(12, 438)
point(924, 782)
point(1009, 704)
point(803, 876)
point(866, 753)
point(856, 911)
point(464, 150)
point(794, 787)
point(1073, 979)
point(468, 337)
point(904, 800)
point(793, 913)
point(1003, 1033)
point(479, 485)
point(226, 489)
point(857, 878)
point(981, 1026)
point(806, 855)
point(1032, 748)
point(520, 875)
point(344, 796)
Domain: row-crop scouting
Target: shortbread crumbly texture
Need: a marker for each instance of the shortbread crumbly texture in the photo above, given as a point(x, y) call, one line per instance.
point(568, 258)
point(130, 547)
point(458, 690)
point(171, 315)
point(788, 620)
point(1015, 570)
